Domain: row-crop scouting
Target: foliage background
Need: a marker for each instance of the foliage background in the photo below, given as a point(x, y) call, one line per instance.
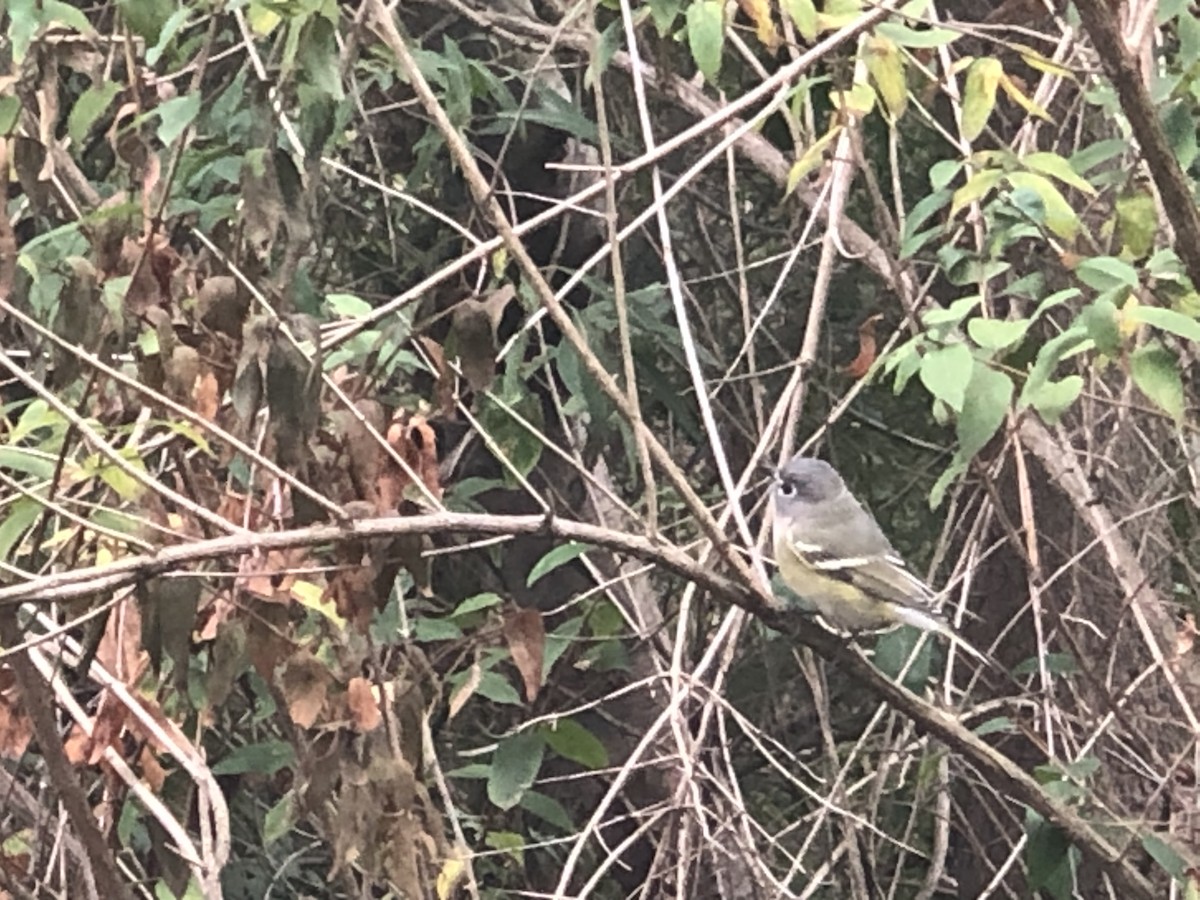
point(262, 303)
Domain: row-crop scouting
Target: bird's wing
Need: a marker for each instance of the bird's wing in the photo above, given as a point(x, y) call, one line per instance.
point(883, 576)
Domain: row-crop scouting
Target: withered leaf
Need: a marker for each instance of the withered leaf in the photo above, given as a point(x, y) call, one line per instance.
point(473, 335)
point(364, 711)
point(305, 683)
point(15, 727)
point(862, 363)
point(525, 634)
point(169, 607)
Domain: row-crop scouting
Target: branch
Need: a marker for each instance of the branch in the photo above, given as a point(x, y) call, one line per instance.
point(35, 696)
point(1000, 771)
point(1173, 188)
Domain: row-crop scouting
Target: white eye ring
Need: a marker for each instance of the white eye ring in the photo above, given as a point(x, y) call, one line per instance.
point(787, 489)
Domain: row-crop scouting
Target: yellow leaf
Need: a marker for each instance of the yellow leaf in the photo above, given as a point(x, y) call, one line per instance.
point(1035, 60)
point(860, 99)
point(804, 14)
point(979, 95)
point(759, 12)
point(886, 65)
point(1127, 321)
point(810, 159)
point(1015, 94)
point(263, 20)
point(313, 596)
point(452, 873)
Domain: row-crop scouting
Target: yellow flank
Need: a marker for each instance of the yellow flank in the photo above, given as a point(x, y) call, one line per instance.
point(842, 604)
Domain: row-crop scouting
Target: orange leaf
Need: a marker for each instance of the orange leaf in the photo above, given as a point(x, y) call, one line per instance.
point(862, 363)
point(364, 711)
point(525, 634)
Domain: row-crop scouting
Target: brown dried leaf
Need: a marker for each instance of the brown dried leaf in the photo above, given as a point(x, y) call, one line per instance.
point(152, 771)
point(364, 711)
point(270, 577)
point(15, 727)
point(444, 392)
point(473, 335)
point(78, 745)
point(416, 443)
point(106, 727)
point(120, 649)
point(862, 363)
point(525, 634)
point(305, 684)
point(206, 395)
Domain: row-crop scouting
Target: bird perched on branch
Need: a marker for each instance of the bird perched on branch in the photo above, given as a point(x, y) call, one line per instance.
point(831, 552)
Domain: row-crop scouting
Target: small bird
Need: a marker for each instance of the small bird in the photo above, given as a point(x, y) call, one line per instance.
point(832, 552)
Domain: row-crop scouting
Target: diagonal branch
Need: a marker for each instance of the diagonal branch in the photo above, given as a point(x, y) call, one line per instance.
point(1001, 772)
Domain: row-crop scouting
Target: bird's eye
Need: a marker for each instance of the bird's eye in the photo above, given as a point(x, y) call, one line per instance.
point(787, 489)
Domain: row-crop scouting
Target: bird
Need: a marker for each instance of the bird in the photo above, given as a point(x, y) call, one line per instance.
point(833, 553)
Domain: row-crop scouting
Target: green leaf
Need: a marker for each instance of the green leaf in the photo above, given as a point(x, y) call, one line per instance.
point(892, 651)
point(706, 36)
point(89, 107)
point(1137, 224)
point(803, 14)
point(1155, 371)
point(476, 603)
point(997, 334)
point(427, 628)
point(572, 741)
point(1048, 857)
point(1058, 168)
point(1060, 217)
point(977, 187)
point(1103, 273)
point(146, 17)
point(1100, 320)
point(664, 12)
point(10, 113)
point(176, 115)
point(547, 809)
point(558, 556)
point(265, 758)
point(985, 407)
point(979, 95)
point(495, 687)
point(1165, 855)
point(508, 842)
point(1049, 356)
point(515, 766)
point(57, 11)
point(946, 371)
point(998, 725)
point(1168, 320)
point(19, 516)
point(922, 39)
point(280, 819)
point(952, 314)
point(1053, 398)
point(349, 306)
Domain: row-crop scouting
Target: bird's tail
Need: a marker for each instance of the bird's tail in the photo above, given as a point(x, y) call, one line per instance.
point(927, 621)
